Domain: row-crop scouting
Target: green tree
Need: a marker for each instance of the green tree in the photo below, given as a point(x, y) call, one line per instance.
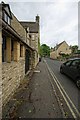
point(74, 49)
point(78, 51)
point(44, 50)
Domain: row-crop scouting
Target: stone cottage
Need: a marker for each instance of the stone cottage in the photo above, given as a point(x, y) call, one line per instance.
point(62, 48)
point(17, 56)
point(34, 33)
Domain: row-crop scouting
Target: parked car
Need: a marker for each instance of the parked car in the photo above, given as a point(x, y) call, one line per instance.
point(72, 69)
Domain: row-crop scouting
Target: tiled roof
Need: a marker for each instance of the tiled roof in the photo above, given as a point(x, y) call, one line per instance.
point(33, 26)
point(57, 46)
point(60, 44)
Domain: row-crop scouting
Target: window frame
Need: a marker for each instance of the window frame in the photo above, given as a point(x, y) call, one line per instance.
point(75, 62)
point(70, 61)
point(6, 18)
point(21, 50)
point(4, 49)
point(12, 50)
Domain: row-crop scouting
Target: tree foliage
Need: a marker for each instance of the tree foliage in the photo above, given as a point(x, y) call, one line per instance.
point(74, 49)
point(44, 50)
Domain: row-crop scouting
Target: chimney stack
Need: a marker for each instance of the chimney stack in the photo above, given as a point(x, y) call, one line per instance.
point(37, 19)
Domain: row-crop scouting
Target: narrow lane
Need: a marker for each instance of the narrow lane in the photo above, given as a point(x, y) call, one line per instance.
point(38, 100)
point(68, 85)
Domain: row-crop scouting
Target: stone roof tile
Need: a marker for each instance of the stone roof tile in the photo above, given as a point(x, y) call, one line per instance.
point(33, 26)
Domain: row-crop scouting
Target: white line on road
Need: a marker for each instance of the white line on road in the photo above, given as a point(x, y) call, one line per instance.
point(63, 92)
point(58, 99)
point(68, 97)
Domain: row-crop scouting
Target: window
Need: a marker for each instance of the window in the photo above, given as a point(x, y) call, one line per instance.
point(6, 18)
point(3, 15)
point(68, 63)
point(75, 63)
point(33, 37)
point(3, 49)
point(37, 55)
point(12, 50)
point(21, 50)
point(9, 21)
point(29, 36)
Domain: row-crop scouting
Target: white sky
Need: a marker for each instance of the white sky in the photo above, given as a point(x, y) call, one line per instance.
point(58, 19)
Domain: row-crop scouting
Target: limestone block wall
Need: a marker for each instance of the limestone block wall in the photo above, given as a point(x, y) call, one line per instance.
point(0, 47)
point(15, 24)
point(12, 74)
point(37, 36)
point(53, 54)
point(34, 41)
point(34, 44)
point(0, 74)
point(36, 58)
point(32, 59)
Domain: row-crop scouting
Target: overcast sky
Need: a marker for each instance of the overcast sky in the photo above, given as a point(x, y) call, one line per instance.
point(58, 20)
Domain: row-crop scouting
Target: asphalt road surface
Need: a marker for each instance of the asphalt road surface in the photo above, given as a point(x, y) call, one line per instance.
point(68, 85)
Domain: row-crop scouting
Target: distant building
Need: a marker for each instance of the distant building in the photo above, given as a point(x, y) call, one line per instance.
point(33, 30)
point(62, 48)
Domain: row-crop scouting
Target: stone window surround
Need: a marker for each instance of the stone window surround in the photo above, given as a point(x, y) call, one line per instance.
point(3, 49)
point(33, 37)
point(21, 50)
point(12, 50)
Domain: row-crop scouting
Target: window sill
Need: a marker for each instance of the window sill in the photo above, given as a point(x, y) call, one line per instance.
point(22, 58)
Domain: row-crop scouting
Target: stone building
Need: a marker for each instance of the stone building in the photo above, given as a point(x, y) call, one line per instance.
point(33, 30)
point(62, 48)
point(16, 53)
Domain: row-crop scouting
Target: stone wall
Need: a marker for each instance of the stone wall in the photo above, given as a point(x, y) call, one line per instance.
point(0, 74)
point(12, 74)
point(0, 47)
point(34, 41)
point(34, 45)
point(36, 58)
point(0, 91)
point(15, 24)
point(53, 55)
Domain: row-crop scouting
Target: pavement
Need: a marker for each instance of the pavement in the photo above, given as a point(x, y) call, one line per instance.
point(35, 98)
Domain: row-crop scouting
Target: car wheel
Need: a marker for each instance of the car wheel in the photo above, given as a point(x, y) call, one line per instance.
point(78, 83)
point(61, 70)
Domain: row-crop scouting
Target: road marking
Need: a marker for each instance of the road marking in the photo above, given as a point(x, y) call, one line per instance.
point(58, 99)
point(63, 92)
point(68, 97)
point(73, 114)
